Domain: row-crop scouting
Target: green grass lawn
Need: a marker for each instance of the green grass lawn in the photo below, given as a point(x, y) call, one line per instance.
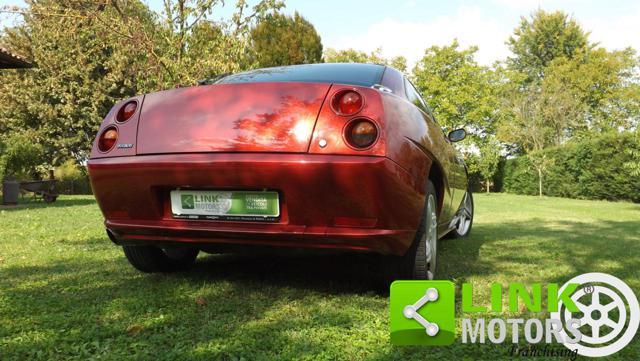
point(66, 292)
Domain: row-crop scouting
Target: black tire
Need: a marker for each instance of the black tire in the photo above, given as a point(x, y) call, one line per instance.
point(415, 264)
point(468, 207)
point(155, 259)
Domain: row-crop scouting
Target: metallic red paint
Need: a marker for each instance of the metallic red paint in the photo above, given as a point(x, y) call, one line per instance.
point(415, 136)
point(127, 131)
point(133, 194)
point(331, 126)
point(284, 137)
point(262, 117)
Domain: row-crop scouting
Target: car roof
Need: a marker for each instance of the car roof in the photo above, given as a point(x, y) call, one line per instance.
point(343, 73)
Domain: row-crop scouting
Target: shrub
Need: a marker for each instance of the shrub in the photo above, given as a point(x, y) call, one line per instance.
point(589, 169)
point(477, 182)
point(21, 156)
point(72, 179)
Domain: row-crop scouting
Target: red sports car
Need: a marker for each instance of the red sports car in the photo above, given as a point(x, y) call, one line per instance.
point(324, 156)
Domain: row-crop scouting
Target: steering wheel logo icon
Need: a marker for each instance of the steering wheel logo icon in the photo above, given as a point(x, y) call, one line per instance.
point(603, 315)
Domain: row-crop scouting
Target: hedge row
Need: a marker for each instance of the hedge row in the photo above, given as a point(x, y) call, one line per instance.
point(73, 186)
point(591, 169)
point(72, 179)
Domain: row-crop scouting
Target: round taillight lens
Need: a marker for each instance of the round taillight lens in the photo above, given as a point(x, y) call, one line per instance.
point(361, 133)
point(108, 139)
point(127, 111)
point(347, 102)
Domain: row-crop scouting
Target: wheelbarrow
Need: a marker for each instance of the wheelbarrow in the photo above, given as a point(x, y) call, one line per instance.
point(46, 189)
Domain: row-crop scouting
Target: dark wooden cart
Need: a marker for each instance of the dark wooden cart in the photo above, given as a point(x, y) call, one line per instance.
point(46, 189)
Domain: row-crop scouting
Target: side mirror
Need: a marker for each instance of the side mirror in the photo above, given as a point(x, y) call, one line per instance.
point(457, 135)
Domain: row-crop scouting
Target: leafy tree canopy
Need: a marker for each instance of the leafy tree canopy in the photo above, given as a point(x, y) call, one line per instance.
point(543, 37)
point(285, 40)
point(559, 85)
point(88, 56)
point(458, 90)
point(355, 56)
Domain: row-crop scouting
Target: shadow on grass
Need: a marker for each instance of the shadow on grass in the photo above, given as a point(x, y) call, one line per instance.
point(65, 306)
point(332, 274)
point(533, 247)
point(276, 306)
point(537, 245)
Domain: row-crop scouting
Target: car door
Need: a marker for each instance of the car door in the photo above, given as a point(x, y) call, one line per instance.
point(459, 175)
point(454, 177)
point(445, 156)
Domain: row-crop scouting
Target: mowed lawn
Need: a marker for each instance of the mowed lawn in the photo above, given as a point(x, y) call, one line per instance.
point(66, 292)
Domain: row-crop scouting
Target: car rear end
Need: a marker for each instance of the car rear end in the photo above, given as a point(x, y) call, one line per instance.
point(288, 164)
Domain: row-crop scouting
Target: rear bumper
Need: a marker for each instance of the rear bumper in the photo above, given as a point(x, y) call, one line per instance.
point(327, 201)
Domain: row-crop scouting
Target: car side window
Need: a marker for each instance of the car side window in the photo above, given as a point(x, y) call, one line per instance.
point(414, 96)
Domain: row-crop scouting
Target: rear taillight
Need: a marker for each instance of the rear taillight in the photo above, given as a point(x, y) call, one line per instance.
point(127, 111)
point(361, 133)
point(107, 139)
point(347, 102)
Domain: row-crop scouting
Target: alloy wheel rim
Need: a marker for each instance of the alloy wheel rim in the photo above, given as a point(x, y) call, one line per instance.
point(464, 219)
point(431, 236)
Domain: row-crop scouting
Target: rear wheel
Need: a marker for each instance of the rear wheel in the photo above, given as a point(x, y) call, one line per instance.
point(156, 259)
point(420, 261)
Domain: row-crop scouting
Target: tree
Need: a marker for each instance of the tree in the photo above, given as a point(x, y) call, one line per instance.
point(542, 38)
point(462, 93)
point(20, 156)
point(458, 90)
point(558, 86)
point(285, 40)
point(488, 161)
point(81, 71)
point(634, 165)
point(355, 56)
point(537, 118)
point(187, 46)
point(90, 55)
point(398, 62)
point(552, 48)
point(606, 83)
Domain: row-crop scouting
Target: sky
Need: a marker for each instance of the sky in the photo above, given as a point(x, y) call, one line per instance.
point(408, 27)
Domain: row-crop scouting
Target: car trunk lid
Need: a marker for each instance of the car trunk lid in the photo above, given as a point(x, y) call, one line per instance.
point(247, 117)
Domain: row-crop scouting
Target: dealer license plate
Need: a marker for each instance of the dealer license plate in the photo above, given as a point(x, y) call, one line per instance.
point(225, 205)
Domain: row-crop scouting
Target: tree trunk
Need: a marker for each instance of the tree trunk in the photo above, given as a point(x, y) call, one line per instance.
point(540, 182)
point(488, 187)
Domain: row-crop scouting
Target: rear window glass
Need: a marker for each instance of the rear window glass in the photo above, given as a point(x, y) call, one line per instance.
point(342, 73)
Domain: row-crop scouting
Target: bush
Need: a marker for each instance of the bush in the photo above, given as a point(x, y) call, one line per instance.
point(477, 182)
point(498, 178)
point(21, 156)
point(589, 169)
point(72, 179)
